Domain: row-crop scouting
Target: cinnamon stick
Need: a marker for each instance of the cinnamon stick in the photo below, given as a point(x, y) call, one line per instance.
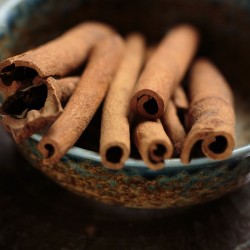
point(181, 104)
point(174, 127)
point(164, 71)
point(211, 117)
point(85, 100)
point(180, 99)
point(152, 143)
point(115, 135)
point(31, 118)
point(173, 119)
point(57, 58)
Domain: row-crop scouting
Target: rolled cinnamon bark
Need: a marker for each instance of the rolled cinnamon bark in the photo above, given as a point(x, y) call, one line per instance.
point(181, 104)
point(174, 127)
point(173, 119)
point(57, 58)
point(115, 135)
point(85, 100)
point(163, 72)
point(152, 143)
point(211, 116)
point(53, 94)
point(180, 98)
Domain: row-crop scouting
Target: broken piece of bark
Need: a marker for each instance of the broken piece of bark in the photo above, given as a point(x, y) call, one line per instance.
point(56, 58)
point(29, 119)
point(88, 95)
point(211, 116)
point(152, 143)
point(115, 135)
point(164, 71)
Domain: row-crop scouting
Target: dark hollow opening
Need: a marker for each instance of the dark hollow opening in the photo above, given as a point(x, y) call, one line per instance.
point(151, 106)
point(219, 145)
point(25, 100)
point(160, 150)
point(196, 150)
point(22, 74)
point(114, 154)
point(50, 149)
point(181, 115)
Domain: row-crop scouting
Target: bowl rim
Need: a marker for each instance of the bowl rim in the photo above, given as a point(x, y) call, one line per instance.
point(174, 164)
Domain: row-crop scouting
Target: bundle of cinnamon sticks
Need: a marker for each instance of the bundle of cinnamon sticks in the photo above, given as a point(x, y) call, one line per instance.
point(144, 100)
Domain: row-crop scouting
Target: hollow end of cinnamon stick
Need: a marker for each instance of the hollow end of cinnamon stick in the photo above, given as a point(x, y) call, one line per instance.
point(147, 104)
point(152, 143)
point(50, 151)
point(156, 154)
point(16, 70)
point(25, 117)
point(22, 101)
point(14, 77)
point(218, 145)
point(114, 155)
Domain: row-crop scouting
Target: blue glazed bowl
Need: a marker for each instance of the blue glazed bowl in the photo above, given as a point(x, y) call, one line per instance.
point(225, 38)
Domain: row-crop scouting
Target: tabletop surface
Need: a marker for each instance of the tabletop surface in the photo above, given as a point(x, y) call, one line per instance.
point(35, 213)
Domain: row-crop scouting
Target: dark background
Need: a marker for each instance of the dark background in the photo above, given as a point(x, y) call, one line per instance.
point(37, 214)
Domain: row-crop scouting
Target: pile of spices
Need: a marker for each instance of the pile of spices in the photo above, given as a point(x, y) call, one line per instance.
point(144, 100)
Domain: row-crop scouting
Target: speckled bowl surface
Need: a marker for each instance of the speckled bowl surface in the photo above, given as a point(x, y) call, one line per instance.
point(225, 39)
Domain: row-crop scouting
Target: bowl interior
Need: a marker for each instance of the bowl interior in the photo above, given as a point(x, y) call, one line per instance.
point(224, 27)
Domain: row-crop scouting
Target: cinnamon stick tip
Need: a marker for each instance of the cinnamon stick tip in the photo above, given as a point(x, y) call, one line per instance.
point(157, 153)
point(48, 150)
point(114, 155)
point(147, 104)
point(218, 146)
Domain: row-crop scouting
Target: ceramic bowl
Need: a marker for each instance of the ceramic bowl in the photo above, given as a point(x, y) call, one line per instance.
point(225, 39)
